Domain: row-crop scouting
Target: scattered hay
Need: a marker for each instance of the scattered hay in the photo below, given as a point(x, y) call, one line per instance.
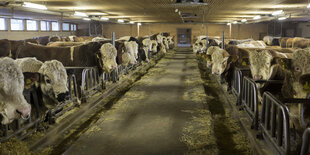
point(198, 134)
point(195, 94)
point(93, 130)
point(15, 147)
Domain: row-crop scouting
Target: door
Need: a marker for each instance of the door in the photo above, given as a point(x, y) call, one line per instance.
point(184, 37)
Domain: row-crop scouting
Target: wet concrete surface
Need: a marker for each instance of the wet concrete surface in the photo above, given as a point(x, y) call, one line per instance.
point(160, 114)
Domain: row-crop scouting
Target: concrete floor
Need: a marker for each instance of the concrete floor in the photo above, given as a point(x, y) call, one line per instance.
point(163, 113)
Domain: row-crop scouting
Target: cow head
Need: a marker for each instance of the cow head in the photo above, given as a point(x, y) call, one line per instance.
point(54, 80)
point(12, 102)
point(209, 53)
point(220, 61)
point(154, 46)
point(301, 72)
point(159, 39)
point(108, 55)
point(264, 63)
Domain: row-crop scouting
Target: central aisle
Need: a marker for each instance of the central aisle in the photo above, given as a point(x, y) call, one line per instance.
point(163, 113)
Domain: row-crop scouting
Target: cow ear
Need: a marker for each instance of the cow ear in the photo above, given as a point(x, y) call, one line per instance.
point(286, 63)
point(225, 60)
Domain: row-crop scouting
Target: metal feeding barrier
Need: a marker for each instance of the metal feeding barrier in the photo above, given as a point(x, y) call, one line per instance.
point(305, 142)
point(275, 125)
point(249, 100)
point(238, 75)
point(72, 100)
point(23, 128)
point(90, 82)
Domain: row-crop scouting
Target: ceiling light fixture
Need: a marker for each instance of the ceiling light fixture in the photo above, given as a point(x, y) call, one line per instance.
point(308, 6)
point(104, 18)
point(228, 24)
point(139, 24)
point(131, 22)
point(176, 10)
point(87, 19)
point(257, 17)
point(282, 18)
point(235, 22)
point(120, 21)
point(80, 14)
point(244, 20)
point(279, 12)
point(34, 6)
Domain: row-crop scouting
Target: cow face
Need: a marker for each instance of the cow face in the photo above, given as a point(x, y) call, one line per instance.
point(209, 53)
point(220, 61)
point(159, 39)
point(301, 72)
point(108, 56)
point(260, 64)
point(54, 82)
point(12, 102)
point(154, 46)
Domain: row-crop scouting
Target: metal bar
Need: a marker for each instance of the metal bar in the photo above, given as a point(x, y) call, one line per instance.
point(113, 38)
point(223, 40)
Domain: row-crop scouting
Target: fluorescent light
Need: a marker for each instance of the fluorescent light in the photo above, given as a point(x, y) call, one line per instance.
point(176, 10)
point(257, 17)
point(80, 14)
point(308, 6)
point(104, 18)
point(228, 24)
point(277, 13)
point(34, 6)
point(88, 19)
point(139, 24)
point(131, 22)
point(282, 18)
point(235, 22)
point(120, 21)
point(244, 20)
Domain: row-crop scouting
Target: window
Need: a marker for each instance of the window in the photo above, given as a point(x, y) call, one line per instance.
point(74, 27)
point(32, 25)
point(17, 24)
point(65, 26)
point(55, 26)
point(2, 24)
point(45, 26)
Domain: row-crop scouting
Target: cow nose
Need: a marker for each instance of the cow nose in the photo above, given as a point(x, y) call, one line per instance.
point(62, 97)
point(24, 112)
point(258, 77)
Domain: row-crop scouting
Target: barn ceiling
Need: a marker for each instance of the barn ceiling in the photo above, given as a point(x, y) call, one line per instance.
point(164, 11)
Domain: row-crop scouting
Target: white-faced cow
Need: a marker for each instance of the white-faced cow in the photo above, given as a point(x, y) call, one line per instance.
point(13, 105)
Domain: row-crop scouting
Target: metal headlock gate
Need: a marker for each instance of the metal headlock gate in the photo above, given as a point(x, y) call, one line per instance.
point(18, 127)
point(275, 125)
point(237, 79)
point(249, 100)
point(90, 82)
point(305, 142)
point(72, 98)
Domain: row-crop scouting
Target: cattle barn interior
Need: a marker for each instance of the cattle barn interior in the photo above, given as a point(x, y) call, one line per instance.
point(118, 77)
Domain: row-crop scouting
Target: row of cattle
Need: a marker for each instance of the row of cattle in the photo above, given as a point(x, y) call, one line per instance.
point(290, 66)
point(44, 67)
point(286, 42)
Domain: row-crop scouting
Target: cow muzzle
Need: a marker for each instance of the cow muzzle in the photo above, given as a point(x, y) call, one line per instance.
point(62, 97)
point(24, 112)
point(258, 77)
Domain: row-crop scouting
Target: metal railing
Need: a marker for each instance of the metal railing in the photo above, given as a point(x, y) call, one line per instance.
point(305, 142)
point(249, 99)
point(90, 83)
point(72, 100)
point(275, 123)
point(18, 127)
point(237, 80)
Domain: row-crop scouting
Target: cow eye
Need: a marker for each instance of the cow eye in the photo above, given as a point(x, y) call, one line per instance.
point(48, 81)
point(298, 69)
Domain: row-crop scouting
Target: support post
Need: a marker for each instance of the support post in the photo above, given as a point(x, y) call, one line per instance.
point(113, 38)
point(223, 40)
point(207, 39)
